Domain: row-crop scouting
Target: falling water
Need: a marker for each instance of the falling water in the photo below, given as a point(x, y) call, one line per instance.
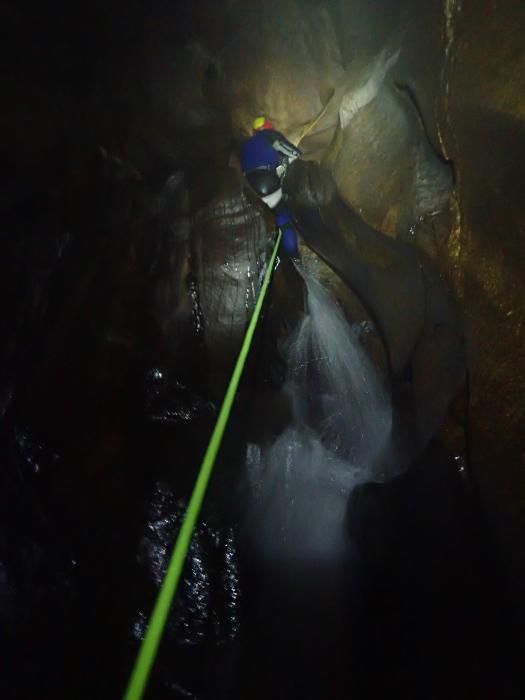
point(340, 428)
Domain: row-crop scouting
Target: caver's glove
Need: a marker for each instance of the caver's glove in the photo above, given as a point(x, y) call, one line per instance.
point(288, 150)
point(288, 153)
point(289, 242)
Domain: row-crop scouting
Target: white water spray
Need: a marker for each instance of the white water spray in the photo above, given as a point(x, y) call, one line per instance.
point(341, 426)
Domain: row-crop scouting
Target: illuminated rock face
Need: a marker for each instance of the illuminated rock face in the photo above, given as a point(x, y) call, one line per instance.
point(408, 301)
point(421, 90)
point(343, 105)
point(483, 107)
point(230, 246)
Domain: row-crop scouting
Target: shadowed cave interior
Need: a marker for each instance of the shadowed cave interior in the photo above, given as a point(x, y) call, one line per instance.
point(362, 534)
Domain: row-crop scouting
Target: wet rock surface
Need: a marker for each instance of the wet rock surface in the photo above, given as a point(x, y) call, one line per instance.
point(409, 302)
point(484, 135)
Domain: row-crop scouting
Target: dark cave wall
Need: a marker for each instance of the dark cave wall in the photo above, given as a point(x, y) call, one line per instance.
point(485, 108)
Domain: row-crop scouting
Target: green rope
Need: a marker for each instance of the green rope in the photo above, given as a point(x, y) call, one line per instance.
point(150, 643)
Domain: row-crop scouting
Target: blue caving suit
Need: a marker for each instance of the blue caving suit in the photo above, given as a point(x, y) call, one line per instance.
point(264, 159)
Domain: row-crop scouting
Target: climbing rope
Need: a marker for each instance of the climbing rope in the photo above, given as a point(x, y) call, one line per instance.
point(307, 128)
point(150, 643)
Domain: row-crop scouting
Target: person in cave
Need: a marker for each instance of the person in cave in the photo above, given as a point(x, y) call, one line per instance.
point(265, 157)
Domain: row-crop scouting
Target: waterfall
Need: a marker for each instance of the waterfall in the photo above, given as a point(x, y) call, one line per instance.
point(341, 427)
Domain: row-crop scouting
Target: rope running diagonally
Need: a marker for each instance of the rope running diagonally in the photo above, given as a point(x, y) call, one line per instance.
point(149, 646)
